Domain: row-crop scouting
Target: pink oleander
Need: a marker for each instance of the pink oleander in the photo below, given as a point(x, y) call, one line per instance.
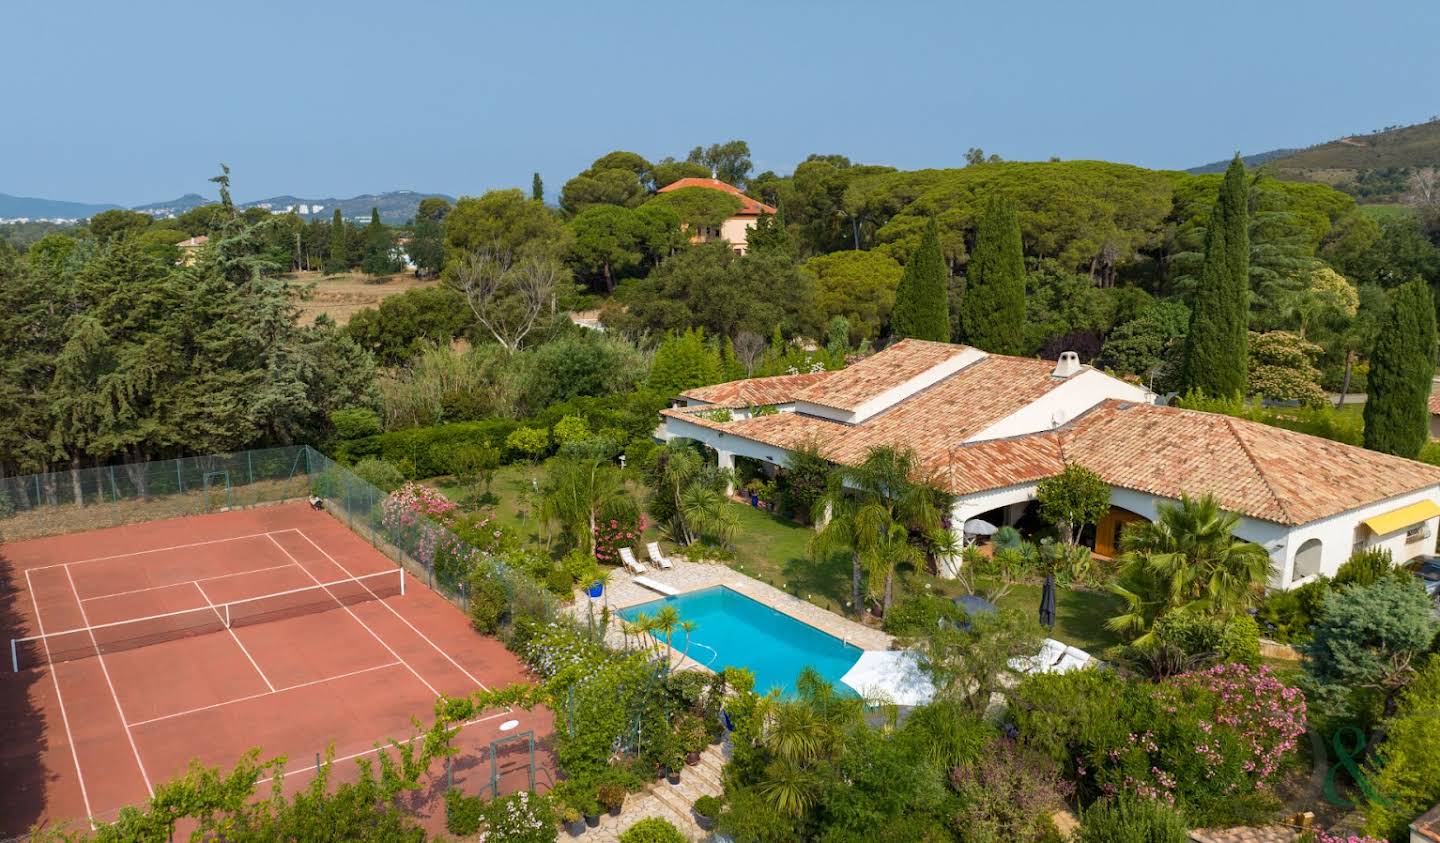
point(1322, 836)
point(613, 534)
point(1212, 738)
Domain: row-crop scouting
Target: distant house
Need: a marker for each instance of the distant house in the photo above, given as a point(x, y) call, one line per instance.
point(733, 230)
point(1427, 828)
point(189, 248)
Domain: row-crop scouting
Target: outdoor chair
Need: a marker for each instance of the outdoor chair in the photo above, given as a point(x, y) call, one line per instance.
point(627, 555)
point(653, 548)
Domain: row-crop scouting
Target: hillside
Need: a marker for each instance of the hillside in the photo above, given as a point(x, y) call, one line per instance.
point(396, 206)
point(1372, 167)
point(26, 207)
point(1251, 161)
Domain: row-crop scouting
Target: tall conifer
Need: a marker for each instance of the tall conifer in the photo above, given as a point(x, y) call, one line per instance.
point(338, 260)
point(1402, 364)
point(1216, 348)
point(537, 188)
point(922, 308)
point(992, 310)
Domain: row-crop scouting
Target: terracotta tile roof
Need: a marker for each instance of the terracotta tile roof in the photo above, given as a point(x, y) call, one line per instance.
point(783, 430)
point(779, 389)
point(1253, 469)
point(748, 207)
point(1428, 825)
point(946, 414)
point(852, 386)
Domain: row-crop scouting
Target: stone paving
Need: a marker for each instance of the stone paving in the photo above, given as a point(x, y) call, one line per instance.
point(622, 592)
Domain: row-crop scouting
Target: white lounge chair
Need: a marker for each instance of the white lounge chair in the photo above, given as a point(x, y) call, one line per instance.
point(653, 548)
point(628, 557)
point(656, 585)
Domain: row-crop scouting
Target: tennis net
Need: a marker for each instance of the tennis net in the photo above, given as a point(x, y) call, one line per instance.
point(100, 639)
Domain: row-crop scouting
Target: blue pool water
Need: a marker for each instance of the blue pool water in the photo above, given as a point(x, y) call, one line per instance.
point(731, 630)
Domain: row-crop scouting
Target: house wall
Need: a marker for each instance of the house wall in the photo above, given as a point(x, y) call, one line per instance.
point(1337, 536)
point(1435, 425)
point(1067, 400)
point(736, 230)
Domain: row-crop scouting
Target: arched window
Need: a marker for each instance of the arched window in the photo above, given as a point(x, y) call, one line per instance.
point(1307, 559)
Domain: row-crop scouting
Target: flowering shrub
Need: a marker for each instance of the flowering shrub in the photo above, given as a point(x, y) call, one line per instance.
point(520, 818)
point(555, 646)
point(615, 533)
point(1215, 738)
point(1009, 793)
point(1322, 836)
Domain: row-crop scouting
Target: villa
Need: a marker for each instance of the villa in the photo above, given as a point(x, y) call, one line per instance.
point(988, 428)
point(734, 230)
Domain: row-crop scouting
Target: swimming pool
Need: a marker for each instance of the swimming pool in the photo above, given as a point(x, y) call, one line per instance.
point(731, 630)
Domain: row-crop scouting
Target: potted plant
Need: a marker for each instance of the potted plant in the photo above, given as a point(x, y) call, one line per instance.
point(612, 796)
point(592, 812)
point(753, 489)
point(674, 762)
point(574, 822)
point(707, 810)
point(690, 733)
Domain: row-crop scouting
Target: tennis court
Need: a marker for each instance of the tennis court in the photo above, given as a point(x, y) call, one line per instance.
point(142, 647)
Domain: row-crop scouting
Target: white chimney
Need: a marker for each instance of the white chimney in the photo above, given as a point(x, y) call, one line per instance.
point(1067, 365)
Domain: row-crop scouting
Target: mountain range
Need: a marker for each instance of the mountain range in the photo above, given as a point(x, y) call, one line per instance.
point(396, 206)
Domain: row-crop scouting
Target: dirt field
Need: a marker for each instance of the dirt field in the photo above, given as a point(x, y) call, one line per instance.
point(341, 296)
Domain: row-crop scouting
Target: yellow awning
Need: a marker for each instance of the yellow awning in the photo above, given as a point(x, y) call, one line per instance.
point(1405, 516)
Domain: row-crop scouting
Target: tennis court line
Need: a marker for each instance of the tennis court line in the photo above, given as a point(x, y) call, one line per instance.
point(143, 552)
point(249, 697)
point(351, 613)
point(186, 582)
point(59, 697)
point(105, 670)
point(392, 609)
point(412, 739)
point(234, 637)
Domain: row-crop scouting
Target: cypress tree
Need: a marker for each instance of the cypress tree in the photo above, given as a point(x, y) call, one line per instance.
point(922, 308)
point(337, 260)
point(537, 188)
point(377, 260)
point(992, 310)
point(1402, 363)
point(1216, 348)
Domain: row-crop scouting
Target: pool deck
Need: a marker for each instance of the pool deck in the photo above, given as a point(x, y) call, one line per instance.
point(622, 593)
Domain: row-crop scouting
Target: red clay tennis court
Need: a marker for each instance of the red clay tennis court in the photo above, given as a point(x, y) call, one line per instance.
point(142, 647)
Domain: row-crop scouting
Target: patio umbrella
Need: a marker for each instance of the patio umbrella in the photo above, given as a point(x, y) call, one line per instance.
point(976, 527)
point(890, 675)
point(1047, 603)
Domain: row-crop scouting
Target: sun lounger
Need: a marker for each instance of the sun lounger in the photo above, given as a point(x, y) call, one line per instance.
point(656, 585)
point(627, 556)
point(653, 548)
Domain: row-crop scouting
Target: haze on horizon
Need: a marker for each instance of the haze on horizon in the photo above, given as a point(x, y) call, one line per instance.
point(135, 103)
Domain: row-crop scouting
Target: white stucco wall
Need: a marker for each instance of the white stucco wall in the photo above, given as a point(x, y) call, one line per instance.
point(1068, 399)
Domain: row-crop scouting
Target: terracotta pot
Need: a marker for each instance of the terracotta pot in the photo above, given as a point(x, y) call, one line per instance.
point(692, 758)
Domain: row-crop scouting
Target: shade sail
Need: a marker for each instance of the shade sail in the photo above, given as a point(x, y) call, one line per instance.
point(891, 676)
point(1405, 516)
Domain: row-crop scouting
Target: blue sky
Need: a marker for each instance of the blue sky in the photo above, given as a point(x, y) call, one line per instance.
point(137, 102)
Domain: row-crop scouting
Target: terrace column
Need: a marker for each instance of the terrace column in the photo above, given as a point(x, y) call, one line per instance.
point(726, 460)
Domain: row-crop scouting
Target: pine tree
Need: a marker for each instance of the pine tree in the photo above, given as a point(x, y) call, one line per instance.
point(1402, 363)
point(537, 188)
point(922, 308)
point(992, 310)
point(337, 260)
point(684, 361)
point(1216, 348)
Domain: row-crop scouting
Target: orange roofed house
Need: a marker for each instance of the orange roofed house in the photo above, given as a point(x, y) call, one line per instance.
point(988, 428)
point(734, 230)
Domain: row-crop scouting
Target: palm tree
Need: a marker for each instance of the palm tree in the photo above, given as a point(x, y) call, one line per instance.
point(578, 490)
point(887, 552)
point(689, 501)
point(802, 735)
point(1187, 560)
point(863, 506)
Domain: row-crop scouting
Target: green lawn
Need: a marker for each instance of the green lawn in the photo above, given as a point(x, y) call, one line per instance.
point(774, 550)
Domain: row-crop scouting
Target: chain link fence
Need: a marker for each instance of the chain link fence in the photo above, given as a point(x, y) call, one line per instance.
point(33, 505)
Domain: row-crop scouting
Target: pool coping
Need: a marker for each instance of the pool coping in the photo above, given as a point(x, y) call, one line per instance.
point(622, 593)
